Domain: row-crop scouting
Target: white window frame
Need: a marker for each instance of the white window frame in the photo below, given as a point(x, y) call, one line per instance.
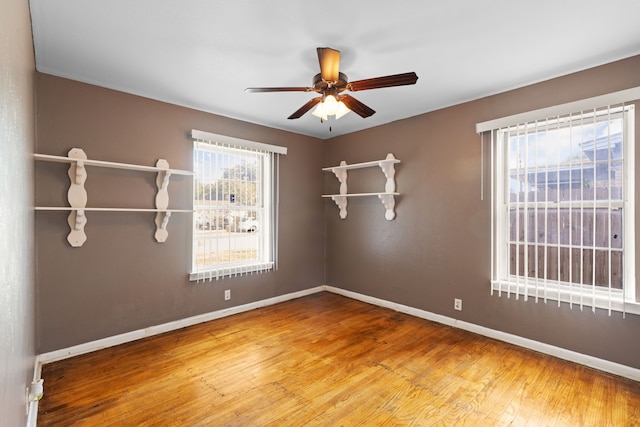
point(265, 238)
point(501, 282)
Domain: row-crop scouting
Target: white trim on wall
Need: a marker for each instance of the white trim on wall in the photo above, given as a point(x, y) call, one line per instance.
point(610, 99)
point(571, 356)
point(100, 344)
point(559, 352)
point(77, 350)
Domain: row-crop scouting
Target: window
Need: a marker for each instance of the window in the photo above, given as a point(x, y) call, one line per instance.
point(235, 206)
point(563, 214)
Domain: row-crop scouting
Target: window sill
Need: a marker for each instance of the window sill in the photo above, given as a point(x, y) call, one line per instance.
point(230, 271)
point(601, 299)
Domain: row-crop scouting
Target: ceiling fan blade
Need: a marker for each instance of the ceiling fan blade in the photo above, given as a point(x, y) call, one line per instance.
point(306, 107)
point(356, 106)
point(386, 81)
point(278, 89)
point(329, 63)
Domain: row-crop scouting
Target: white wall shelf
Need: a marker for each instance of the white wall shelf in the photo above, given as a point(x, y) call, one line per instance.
point(77, 194)
point(112, 165)
point(68, 208)
point(387, 197)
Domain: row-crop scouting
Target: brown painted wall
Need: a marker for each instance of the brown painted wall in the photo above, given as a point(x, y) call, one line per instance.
point(17, 135)
point(437, 248)
point(121, 279)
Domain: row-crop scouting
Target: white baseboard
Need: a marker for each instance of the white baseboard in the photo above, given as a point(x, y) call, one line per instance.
point(590, 361)
point(100, 344)
point(559, 352)
point(77, 350)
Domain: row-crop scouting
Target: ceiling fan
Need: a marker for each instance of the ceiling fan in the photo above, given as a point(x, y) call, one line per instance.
point(330, 83)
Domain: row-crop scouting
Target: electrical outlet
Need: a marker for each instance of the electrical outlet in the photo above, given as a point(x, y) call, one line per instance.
point(227, 294)
point(457, 304)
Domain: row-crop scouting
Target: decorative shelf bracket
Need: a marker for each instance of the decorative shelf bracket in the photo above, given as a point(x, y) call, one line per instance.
point(341, 201)
point(162, 219)
point(77, 197)
point(162, 182)
point(389, 203)
point(341, 174)
point(77, 220)
point(162, 201)
point(387, 198)
point(389, 171)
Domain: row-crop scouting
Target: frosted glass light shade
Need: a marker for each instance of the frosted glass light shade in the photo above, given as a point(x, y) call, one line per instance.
point(320, 112)
point(342, 110)
point(330, 107)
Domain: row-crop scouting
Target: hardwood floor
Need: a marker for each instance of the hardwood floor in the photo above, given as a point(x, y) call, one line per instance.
point(326, 360)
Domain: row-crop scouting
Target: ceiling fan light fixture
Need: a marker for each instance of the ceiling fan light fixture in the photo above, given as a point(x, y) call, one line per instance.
point(320, 112)
point(330, 83)
point(330, 107)
point(342, 110)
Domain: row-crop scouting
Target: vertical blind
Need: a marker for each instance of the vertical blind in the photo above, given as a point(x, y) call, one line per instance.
point(562, 204)
point(235, 206)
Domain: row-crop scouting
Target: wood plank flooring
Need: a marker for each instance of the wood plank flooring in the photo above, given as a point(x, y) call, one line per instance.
point(326, 360)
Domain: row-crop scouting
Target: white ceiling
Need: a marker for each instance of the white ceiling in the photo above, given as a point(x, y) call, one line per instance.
point(203, 53)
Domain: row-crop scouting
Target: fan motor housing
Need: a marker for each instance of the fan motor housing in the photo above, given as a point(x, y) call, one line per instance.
point(320, 84)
